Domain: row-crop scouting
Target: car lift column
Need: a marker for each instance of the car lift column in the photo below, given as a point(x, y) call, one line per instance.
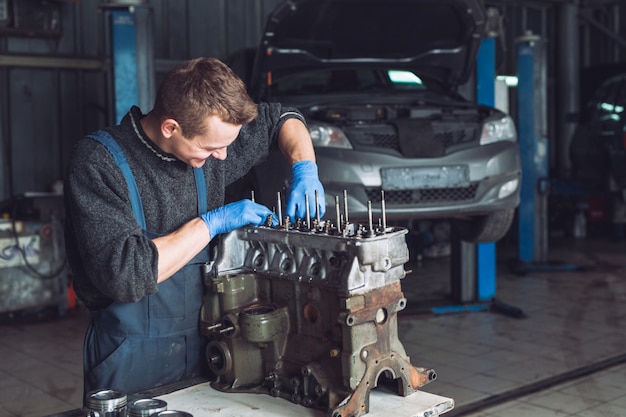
point(473, 266)
point(531, 126)
point(132, 53)
point(486, 94)
point(532, 135)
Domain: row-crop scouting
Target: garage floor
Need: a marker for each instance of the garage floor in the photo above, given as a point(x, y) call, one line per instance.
point(566, 357)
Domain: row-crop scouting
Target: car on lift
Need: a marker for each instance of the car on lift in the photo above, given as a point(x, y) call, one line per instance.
point(378, 82)
point(598, 146)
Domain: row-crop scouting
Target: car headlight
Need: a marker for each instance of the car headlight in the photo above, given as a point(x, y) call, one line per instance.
point(508, 188)
point(498, 130)
point(328, 136)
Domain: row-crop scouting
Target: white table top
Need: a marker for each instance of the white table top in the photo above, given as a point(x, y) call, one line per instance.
point(203, 401)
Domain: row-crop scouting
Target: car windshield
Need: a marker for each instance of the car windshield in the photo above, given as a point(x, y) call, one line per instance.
point(348, 81)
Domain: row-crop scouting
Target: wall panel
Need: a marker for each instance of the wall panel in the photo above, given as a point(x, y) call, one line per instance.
point(44, 110)
point(34, 128)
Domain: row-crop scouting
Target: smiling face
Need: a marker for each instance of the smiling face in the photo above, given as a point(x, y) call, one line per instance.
point(194, 151)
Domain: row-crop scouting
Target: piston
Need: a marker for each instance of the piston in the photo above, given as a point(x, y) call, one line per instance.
point(145, 407)
point(106, 403)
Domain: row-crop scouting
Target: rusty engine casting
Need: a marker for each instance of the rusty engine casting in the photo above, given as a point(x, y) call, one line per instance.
point(308, 312)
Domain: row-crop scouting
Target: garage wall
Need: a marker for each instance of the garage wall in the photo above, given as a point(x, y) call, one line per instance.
point(54, 88)
point(601, 41)
point(191, 28)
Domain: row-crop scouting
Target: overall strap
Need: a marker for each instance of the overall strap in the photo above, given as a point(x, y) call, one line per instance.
point(198, 173)
point(118, 155)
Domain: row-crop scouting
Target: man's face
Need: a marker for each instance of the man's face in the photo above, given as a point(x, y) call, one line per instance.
point(212, 143)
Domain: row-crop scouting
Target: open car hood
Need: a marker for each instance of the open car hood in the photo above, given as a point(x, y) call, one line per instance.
point(437, 37)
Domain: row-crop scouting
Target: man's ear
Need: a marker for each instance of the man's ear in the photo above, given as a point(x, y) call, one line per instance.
point(168, 127)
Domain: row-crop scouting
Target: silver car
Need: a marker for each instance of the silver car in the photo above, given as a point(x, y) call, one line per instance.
point(377, 81)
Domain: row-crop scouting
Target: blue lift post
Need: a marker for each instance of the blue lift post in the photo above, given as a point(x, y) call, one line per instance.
point(132, 55)
point(474, 265)
point(486, 94)
point(532, 132)
point(531, 98)
point(124, 52)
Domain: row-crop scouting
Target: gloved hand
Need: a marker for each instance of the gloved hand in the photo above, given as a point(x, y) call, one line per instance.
point(234, 215)
point(304, 181)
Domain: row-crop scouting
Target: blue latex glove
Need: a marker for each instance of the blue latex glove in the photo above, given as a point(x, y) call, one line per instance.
point(235, 215)
point(304, 181)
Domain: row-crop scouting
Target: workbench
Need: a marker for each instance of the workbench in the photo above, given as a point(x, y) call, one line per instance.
point(203, 401)
point(197, 398)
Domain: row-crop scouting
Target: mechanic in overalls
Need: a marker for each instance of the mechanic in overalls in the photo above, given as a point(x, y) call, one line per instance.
point(143, 200)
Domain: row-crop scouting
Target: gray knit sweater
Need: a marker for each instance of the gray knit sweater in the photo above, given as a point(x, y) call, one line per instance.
point(110, 257)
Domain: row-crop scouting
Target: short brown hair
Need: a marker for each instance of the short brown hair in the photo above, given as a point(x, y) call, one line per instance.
point(199, 88)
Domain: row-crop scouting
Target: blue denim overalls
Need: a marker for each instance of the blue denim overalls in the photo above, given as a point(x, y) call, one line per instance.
point(133, 347)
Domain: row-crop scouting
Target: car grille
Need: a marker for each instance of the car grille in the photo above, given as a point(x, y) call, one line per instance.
point(423, 196)
point(385, 136)
point(380, 136)
point(455, 133)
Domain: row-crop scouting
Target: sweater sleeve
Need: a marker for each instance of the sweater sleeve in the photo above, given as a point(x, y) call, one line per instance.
point(111, 258)
point(257, 138)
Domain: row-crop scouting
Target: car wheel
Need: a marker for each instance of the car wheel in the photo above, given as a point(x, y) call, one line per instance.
point(489, 228)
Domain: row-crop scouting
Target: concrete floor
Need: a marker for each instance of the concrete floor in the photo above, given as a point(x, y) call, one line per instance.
point(565, 357)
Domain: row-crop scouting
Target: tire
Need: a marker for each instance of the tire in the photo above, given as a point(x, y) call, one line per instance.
point(489, 228)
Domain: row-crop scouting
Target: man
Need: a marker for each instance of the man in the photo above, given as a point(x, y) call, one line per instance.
point(143, 200)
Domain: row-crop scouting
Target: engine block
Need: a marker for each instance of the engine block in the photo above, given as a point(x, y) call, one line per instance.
point(309, 314)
